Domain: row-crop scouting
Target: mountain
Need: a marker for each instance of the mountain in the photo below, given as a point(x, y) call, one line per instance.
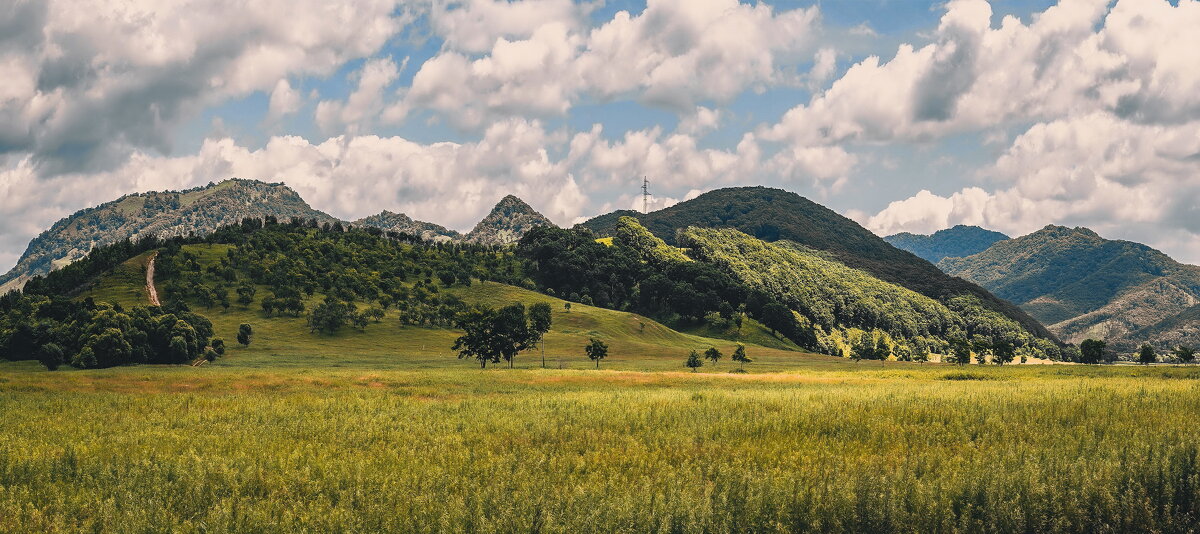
point(507, 223)
point(839, 299)
point(953, 242)
point(774, 214)
point(167, 213)
point(1086, 286)
point(399, 222)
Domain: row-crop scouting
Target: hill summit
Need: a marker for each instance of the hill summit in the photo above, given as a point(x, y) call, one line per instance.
point(956, 242)
point(164, 214)
point(399, 222)
point(508, 221)
point(775, 214)
point(1084, 285)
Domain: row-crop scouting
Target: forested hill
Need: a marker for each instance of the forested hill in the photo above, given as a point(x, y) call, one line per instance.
point(1086, 286)
point(399, 222)
point(774, 214)
point(508, 221)
point(956, 242)
point(162, 214)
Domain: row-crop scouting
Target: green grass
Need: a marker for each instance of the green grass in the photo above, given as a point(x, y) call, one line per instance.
point(823, 448)
point(126, 284)
point(385, 430)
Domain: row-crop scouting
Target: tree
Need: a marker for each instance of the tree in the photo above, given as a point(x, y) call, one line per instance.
point(693, 361)
point(218, 346)
point(178, 349)
point(1185, 354)
point(739, 355)
point(778, 318)
point(244, 334)
point(51, 355)
point(1003, 352)
point(960, 351)
point(493, 335)
point(329, 316)
point(1146, 354)
point(539, 325)
point(713, 354)
point(567, 306)
point(210, 354)
point(245, 294)
point(1091, 351)
point(596, 350)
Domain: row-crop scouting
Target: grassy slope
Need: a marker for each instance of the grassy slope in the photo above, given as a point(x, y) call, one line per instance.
point(636, 342)
point(125, 285)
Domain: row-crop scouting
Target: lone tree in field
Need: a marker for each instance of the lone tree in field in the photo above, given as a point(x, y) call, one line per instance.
point(493, 335)
point(713, 354)
point(567, 306)
point(539, 324)
point(693, 361)
point(1185, 354)
point(244, 334)
point(1146, 354)
point(596, 350)
point(739, 355)
point(1091, 351)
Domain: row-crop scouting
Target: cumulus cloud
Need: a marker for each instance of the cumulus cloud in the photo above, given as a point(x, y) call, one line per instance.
point(674, 55)
point(473, 26)
point(1074, 58)
point(363, 106)
point(284, 100)
point(81, 91)
point(1122, 178)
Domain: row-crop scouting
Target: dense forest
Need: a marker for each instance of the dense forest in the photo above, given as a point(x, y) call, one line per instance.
point(850, 309)
point(338, 277)
point(774, 214)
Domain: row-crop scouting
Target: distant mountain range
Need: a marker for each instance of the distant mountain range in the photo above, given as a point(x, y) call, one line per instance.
point(774, 214)
point(203, 209)
point(165, 214)
point(399, 222)
point(953, 242)
point(1085, 286)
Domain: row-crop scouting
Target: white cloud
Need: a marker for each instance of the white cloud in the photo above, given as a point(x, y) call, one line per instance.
point(364, 105)
point(1118, 177)
point(473, 26)
point(675, 54)
point(112, 77)
point(1134, 61)
point(284, 100)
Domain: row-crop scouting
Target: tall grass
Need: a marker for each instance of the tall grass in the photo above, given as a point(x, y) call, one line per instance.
point(857, 449)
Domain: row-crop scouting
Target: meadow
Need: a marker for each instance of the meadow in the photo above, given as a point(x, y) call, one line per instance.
point(385, 430)
point(827, 446)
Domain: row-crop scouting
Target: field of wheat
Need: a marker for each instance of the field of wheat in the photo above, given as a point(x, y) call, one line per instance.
point(912, 448)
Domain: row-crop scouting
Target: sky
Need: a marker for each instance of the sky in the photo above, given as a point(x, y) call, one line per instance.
point(903, 115)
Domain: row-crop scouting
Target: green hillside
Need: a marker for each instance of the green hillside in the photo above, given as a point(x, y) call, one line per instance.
point(774, 214)
point(841, 300)
point(1086, 286)
point(636, 342)
point(956, 242)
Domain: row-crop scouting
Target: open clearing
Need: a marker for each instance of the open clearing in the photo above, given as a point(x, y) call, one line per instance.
point(828, 445)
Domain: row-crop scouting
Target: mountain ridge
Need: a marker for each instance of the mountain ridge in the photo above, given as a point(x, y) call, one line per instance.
point(161, 213)
point(1083, 285)
point(954, 242)
point(773, 214)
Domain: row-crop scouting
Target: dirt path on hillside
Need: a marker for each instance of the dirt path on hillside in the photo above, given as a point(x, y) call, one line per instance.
point(150, 281)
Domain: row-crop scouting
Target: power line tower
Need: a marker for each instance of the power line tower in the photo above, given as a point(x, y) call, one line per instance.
point(645, 195)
